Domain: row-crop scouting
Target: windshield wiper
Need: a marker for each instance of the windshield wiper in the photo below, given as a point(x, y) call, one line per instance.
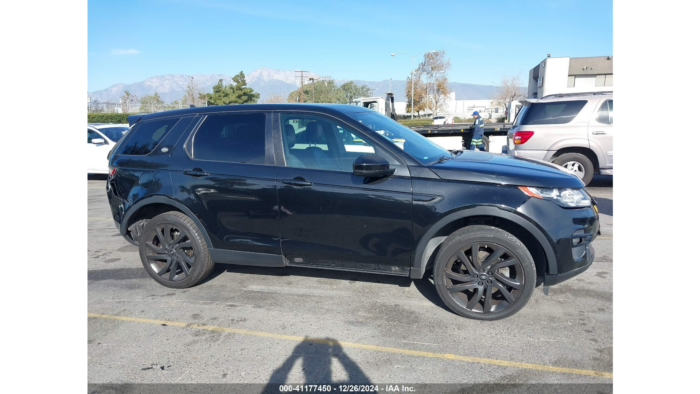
point(440, 160)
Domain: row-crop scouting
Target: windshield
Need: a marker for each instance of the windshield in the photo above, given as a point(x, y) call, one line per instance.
point(422, 149)
point(114, 133)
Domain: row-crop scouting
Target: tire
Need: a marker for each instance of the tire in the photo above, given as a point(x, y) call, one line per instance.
point(465, 294)
point(184, 261)
point(577, 162)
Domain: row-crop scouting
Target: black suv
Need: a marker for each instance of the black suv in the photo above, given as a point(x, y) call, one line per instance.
point(342, 187)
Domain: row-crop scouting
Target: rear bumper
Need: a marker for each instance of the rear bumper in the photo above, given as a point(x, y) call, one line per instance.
point(531, 154)
point(607, 171)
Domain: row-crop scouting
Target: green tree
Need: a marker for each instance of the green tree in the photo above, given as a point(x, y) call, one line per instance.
point(151, 103)
point(328, 92)
point(236, 93)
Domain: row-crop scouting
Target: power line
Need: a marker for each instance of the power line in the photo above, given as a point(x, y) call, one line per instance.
point(301, 84)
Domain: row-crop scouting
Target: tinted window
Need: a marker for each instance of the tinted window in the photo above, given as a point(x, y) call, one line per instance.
point(559, 112)
point(236, 138)
point(320, 143)
point(93, 135)
point(114, 133)
point(610, 110)
point(421, 148)
point(146, 136)
point(605, 113)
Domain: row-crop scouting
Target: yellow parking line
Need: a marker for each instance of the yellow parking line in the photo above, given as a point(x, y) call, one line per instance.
point(600, 237)
point(489, 361)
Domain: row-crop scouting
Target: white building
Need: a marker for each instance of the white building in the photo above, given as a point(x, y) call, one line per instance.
point(570, 75)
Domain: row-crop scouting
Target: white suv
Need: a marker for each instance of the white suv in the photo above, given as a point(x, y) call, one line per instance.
point(101, 139)
point(572, 130)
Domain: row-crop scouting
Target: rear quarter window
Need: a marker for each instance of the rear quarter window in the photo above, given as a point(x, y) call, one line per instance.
point(144, 137)
point(559, 112)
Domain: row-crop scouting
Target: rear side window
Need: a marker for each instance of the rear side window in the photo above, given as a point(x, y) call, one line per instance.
point(559, 112)
point(605, 113)
point(236, 138)
point(146, 136)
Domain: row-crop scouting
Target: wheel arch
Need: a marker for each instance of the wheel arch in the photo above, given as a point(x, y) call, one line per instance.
point(533, 238)
point(152, 206)
point(588, 152)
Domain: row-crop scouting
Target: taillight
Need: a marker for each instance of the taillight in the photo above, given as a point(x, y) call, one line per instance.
point(521, 137)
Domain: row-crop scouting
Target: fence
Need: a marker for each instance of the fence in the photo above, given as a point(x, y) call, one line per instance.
point(96, 106)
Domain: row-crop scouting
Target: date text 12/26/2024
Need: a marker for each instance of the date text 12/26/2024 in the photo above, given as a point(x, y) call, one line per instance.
point(346, 389)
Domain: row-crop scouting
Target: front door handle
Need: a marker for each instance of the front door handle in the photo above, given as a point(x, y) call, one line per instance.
point(599, 132)
point(299, 182)
point(195, 172)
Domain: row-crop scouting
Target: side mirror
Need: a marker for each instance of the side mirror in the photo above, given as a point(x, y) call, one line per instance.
point(372, 166)
point(98, 141)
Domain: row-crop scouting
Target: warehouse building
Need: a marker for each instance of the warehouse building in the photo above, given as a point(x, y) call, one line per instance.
point(570, 75)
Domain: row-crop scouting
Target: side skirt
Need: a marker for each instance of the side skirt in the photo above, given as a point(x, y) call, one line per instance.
point(355, 267)
point(225, 256)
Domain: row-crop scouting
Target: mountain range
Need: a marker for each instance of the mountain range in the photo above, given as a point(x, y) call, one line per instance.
point(267, 82)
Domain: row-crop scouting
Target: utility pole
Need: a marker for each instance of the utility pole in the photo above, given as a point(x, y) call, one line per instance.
point(301, 84)
point(313, 89)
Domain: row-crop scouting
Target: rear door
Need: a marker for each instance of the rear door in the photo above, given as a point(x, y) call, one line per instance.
point(331, 218)
point(225, 174)
point(600, 133)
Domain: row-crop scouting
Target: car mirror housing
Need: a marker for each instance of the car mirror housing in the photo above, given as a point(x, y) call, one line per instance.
point(372, 166)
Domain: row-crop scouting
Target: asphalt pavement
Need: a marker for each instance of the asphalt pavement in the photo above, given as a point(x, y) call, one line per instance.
point(297, 325)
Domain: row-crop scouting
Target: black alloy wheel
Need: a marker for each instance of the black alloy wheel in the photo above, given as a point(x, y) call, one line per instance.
point(170, 253)
point(173, 250)
point(488, 280)
point(484, 273)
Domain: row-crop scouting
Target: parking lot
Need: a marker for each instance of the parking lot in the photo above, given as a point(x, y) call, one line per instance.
point(295, 325)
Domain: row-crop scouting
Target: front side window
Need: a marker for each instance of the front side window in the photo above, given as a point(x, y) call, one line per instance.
point(559, 112)
point(421, 148)
point(320, 143)
point(235, 138)
point(146, 136)
point(92, 135)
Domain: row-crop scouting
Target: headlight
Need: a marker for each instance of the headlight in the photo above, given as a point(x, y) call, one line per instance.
point(568, 198)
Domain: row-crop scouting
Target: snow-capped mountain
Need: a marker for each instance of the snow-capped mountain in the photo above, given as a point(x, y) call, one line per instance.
point(267, 82)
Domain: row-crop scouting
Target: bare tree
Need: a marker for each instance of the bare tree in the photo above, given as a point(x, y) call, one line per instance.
point(509, 91)
point(129, 101)
point(275, 98)
point(192, 94)
point(434, 67)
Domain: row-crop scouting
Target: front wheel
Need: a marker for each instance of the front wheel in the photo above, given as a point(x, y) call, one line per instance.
point(484, 273)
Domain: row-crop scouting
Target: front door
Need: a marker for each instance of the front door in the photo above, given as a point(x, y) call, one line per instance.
point(600, 134)
point(226, 175)
point(330, 218)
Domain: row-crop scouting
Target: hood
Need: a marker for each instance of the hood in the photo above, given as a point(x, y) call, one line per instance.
point(476, 166)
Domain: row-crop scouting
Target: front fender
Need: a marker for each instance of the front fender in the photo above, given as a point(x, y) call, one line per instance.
point(422, 253)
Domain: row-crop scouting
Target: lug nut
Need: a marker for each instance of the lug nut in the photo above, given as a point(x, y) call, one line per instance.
point(481, 283)
point(490, 273)
point(476, 276)
point(489, 281)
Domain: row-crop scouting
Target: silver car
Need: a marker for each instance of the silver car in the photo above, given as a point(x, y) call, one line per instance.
point(572, 130)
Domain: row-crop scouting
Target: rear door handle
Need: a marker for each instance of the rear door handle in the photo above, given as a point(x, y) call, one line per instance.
point(599, 132)
point(196, 172)
point(298, 181)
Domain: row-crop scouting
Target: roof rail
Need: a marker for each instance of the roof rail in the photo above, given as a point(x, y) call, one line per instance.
point(577, 94)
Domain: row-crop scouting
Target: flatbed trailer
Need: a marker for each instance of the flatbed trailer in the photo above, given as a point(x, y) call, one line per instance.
point(463, 130)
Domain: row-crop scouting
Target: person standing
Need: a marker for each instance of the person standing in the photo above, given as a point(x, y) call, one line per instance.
point(478, 132)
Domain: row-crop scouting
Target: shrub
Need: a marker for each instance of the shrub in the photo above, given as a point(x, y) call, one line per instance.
point(108, 118)
point(416, 122)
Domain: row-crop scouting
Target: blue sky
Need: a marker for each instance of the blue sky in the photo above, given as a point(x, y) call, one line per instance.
point(129, 41)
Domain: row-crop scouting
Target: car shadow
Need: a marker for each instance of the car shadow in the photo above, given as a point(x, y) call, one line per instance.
point(605, 205)
point(601, 181)
point(97, 177)
point(220, 269)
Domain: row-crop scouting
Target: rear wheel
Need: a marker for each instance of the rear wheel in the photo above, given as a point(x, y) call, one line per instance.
point(173, 251)
point(484, 273)
point(578, 163)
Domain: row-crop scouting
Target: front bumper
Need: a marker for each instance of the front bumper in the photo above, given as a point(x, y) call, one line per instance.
point(550, 280)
